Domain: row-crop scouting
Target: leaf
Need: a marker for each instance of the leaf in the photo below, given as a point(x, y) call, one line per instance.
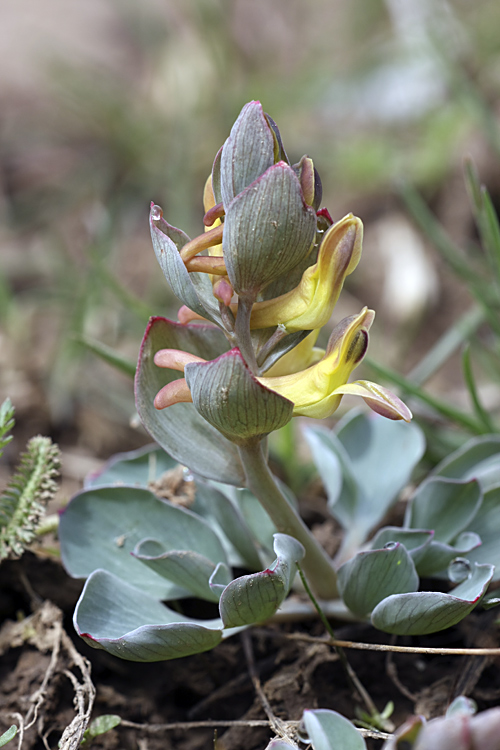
point(8, 735)
point(280, 745)
point(416, 541)
point(230, 398)
point(22, 504)
point(258, 521)
point(426, 612)
point(228, 521)
point(6, 424)
point(124, 621)
point(193, 289)
point(486, 523)
point(256, 597)
point(138, 468)
point(101, 527)
point(446, 506)
point(478, 459)
point(107, 354)
point(181, 430)
point(187, 568)
point(332, 463)
point(328, 730)
point(437, 556)
point(100, 725)
point(377, 457)
point(371, 576)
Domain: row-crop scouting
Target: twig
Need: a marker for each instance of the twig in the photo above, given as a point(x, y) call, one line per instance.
point(212, 724)
point(278, 726)
point(395, 649)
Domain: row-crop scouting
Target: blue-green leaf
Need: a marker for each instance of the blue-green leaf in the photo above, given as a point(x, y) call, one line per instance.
point(229, 397)
point(256, 597)
point(429, 611)
point(436, 556)
point(180, 429)
point(328, 730)
point(187, 568)
point(126, 622)
point(446, 506)
point(101, 527)
point(138, 468)
point(193, 289)
point(486, 523)
point(372, 576)
point(377, 457)
point(478, 459)
point(416, 541)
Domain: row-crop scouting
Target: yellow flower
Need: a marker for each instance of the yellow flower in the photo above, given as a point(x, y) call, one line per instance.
point(317, 391)
point(310, 304)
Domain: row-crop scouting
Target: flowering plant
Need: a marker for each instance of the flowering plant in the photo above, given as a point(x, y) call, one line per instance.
point(241, 362)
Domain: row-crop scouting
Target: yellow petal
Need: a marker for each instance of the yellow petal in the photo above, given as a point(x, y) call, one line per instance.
point(314, 390)
point(310, 304)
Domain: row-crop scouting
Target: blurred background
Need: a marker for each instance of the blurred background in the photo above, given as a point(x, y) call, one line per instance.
point(106, 105)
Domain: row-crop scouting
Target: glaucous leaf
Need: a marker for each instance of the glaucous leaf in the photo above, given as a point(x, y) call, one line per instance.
point(377, 457)
point(187, 568)
point(279, 744)
point(102, 526)
point(478, 459)
point(229, 397)
point(182, 431)
point(444, 505)
point(137, 468)
point(124, 621)
point(415, 541)
point(436, 556)
point(486, 523)
point(372, 576)
point(193, 289)
point(425, 612)
point(328, 730)
point(256, 597)
point(229, 523)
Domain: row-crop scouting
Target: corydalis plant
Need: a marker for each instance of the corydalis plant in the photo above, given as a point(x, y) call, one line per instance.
point(264, 276)
point(22, 504)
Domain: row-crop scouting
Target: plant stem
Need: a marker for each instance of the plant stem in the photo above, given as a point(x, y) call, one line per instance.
point(242, 332)
point(260, 481)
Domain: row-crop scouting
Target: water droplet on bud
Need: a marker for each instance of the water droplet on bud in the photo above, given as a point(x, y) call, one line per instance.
point(186, 475)
point(459, 570)
point(391, 545)
point(156, 213)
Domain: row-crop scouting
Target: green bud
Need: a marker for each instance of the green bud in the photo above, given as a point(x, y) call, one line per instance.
point(247, 153)
point(268, 230)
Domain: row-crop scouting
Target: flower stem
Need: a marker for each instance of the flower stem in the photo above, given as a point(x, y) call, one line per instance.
point(242, 331)
point(260, 481)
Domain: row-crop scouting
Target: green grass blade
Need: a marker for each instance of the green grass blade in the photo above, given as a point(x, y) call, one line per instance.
point(470, 382)
point(441, 407)
point(108, 354)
